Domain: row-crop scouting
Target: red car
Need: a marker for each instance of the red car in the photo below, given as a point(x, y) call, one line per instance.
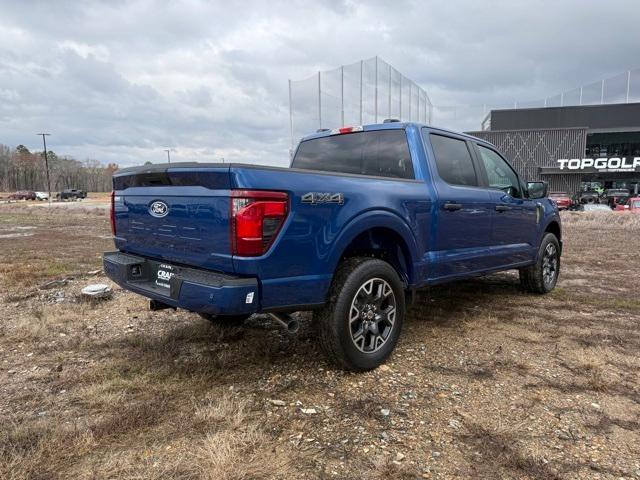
point(23, 195)
point(561, 199)
point(632, 205)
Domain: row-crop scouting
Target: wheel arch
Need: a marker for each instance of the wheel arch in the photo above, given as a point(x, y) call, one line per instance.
point(379, 234)
point(554, 227)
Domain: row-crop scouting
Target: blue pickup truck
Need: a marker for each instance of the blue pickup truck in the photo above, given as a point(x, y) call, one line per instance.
point(362, 218)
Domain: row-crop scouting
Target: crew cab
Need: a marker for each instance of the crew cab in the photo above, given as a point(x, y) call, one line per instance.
point(362, 218)
point(71, 194)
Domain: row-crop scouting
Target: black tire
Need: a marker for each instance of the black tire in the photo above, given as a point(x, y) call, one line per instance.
point(365, 342)
point(225, 320)
point(542, 276)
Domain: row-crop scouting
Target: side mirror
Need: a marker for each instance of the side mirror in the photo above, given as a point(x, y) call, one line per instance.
point(537, 190)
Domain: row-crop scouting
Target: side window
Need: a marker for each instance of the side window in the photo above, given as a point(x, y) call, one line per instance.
point(499, 173)
point(453, 160)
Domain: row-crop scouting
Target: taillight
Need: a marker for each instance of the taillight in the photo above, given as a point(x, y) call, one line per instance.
point(256, 219)
point(112, 213)
point(343, 130)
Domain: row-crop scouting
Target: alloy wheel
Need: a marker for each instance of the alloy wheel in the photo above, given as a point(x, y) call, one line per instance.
point(372, 315)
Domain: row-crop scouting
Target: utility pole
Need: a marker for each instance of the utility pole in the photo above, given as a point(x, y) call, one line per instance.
point(168, 155)
point(46, 163)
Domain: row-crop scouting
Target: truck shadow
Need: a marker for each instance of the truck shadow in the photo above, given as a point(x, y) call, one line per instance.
point(195, 347)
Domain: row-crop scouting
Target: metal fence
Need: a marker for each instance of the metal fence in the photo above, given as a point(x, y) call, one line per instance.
point(360, 93)
point(621, 88)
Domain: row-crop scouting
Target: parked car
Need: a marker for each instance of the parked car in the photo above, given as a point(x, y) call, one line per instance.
point(42, 196)
point(71, 194)
point(631, 205)
point(616, 196)
point(364, 217)
point(23, 195)
point(561, 199)
point(595, 207)
point(588, 196)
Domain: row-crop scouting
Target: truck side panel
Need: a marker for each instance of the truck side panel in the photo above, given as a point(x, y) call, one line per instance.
point(313, 236)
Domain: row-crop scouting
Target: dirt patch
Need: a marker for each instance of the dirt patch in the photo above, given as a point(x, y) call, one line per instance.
point(487, 381)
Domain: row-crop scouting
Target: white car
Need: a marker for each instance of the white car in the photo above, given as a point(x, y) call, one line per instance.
point(42, 196)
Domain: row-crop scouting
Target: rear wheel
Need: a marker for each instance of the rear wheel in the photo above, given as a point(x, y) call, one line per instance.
point(543, 275)
point(225, 320)
point(360, 325)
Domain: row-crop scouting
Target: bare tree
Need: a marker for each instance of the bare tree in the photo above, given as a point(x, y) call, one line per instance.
point(21, 169)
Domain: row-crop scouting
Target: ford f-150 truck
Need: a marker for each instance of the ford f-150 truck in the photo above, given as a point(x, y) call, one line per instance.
point(362, 218)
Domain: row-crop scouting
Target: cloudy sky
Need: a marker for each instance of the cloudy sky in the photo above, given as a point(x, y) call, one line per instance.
point(123, 80)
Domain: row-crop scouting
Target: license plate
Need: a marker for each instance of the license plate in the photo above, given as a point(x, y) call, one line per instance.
point(164, 274)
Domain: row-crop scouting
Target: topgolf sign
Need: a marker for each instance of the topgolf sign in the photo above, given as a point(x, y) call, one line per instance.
point(613, 164)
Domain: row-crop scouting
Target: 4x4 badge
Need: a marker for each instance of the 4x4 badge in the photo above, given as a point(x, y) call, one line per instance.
point(323, 197)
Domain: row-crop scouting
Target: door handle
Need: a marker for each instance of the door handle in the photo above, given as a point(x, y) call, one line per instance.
point(503, 208)
point(452, 207)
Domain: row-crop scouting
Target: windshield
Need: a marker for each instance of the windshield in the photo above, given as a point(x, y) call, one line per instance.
point(636, 204)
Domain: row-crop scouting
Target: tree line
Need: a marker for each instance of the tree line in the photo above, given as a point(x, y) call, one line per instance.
point(21, 169)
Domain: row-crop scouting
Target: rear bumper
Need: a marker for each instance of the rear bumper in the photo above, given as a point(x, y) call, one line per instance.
point(190, 288)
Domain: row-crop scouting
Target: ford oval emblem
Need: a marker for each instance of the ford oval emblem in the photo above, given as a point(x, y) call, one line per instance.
point(158, 209)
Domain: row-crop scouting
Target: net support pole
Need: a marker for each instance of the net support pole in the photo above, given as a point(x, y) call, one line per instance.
point(361, 64)
point(628, 83)
point(410, 95)
point(290, 121)
point(375, 108)
point(319, 103)
point(342, 95)
point(425, 107)
point(400, 113)
point(580, 95)
point(389, 115)
point(602, 93)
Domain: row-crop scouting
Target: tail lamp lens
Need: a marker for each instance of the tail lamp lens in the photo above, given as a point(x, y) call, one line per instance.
point(256, 219)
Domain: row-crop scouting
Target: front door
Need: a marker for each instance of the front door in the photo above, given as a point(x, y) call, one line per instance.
point(514, 231)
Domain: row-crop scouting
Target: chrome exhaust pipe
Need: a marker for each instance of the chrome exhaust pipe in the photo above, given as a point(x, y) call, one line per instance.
point(291, 325)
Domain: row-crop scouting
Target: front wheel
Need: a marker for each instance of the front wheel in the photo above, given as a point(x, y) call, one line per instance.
point(360, 324)
point(542, 276)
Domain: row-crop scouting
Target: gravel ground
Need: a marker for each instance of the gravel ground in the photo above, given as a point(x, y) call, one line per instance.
point(486, 382)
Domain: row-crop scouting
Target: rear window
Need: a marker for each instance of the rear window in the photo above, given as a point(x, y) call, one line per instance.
point(453, 160)
point(380, 153)
point(211, 180)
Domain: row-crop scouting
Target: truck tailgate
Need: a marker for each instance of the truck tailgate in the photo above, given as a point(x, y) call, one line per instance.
point(179, 215)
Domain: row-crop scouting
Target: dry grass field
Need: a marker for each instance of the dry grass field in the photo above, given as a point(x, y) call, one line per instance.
point(487, 381)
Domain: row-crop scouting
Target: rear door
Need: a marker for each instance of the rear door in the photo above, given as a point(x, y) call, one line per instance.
point(177, 215)
point(514, 231)
point(462, 225)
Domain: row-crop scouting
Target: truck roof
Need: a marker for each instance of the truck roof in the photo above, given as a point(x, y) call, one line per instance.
point(396, 125)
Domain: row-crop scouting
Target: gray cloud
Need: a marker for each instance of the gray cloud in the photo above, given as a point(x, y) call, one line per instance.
point(121, 81)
